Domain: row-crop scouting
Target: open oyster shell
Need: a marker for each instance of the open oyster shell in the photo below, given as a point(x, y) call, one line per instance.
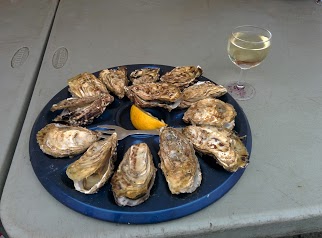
point(179, 163)
point(211, 111)
point(134, 178)
point(201, 90)
point(182, 76)
point(82, 111)
point(154, 95)
point(145, 75)
point(86, 85)
point(60, 140)
point(115, 80)
point(95, 166)
point(220, 143)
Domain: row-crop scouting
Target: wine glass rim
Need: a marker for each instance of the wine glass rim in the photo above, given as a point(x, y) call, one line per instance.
point(269, 36)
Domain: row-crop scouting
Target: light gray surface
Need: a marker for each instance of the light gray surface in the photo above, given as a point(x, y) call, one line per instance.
point(23, 24)
point(279, 193)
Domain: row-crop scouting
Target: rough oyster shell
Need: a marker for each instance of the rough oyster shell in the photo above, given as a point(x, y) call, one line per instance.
point(182, 76)
point(179, 163)
point(86, 85)
point(201, 90)
point(154, 95)
point(211, 111)
point(145, 75)
point(82, 111)
point(60, 140)
point(95, 166)
point(115, 80)
point(222, 144)
point(134, 178)
point(73, 103)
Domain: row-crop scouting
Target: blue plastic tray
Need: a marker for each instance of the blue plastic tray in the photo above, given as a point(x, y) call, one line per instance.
point(162, 205)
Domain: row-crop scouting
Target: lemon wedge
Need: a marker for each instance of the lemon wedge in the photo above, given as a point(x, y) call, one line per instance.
point(143, 120)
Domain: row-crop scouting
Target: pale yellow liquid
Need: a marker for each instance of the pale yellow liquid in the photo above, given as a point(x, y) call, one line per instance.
point(247, 50)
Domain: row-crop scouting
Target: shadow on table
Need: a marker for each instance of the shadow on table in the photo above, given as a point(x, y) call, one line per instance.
point(3, 233)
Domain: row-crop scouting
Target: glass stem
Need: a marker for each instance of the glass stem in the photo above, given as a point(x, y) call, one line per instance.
point(241, 79)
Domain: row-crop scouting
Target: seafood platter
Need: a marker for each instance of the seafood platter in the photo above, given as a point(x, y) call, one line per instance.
point(194, 160)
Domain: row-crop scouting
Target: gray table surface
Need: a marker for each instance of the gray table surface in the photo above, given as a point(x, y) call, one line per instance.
point(24, 28)
point(280, 192)
point(22, 44)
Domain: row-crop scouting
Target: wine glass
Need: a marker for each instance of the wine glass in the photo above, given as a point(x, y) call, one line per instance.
point(247, 47)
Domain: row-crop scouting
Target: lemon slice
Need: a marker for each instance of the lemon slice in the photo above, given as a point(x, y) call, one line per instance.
point(143, 120)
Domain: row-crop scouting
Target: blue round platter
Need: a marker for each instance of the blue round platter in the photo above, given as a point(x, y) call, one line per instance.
point(162, 205)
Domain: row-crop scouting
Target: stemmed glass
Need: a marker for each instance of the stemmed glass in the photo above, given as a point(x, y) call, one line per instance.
point(247, 47)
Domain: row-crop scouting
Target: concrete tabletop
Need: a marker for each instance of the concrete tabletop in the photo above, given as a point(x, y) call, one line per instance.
point(24, 28)
point(280, 192)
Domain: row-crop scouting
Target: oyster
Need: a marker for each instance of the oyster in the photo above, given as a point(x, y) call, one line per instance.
point(86, 85)
point(73, 103)
point(179, 163)
point(201, 90)
point(154, 95)
point(145, 75)
point(134, 178)
point(60, 140)
point(95, 166)
point(222, 144)
point(115, 80)
point(211, 111)
point(182, 76)
point(82, 111)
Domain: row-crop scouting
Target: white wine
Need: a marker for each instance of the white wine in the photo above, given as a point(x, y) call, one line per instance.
point(247, 47)
point(247, 50)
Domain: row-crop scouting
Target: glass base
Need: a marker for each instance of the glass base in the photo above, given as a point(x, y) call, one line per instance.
point(240, 93)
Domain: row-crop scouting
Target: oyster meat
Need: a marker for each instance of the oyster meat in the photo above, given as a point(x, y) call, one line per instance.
point(115, 80)
point(220, 143)
point(82, 111)
point(134, 178)
point(145, 75)
point(182, 76)
point(154, 95)
point(60, 140)
point(201, 90)
point(211, 111)
point(86, 85)
point(91, 171)
point(179, 163)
